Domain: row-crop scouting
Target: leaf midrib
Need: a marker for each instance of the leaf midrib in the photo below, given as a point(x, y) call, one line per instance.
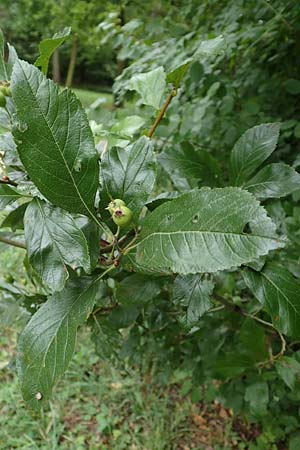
point(54, 140)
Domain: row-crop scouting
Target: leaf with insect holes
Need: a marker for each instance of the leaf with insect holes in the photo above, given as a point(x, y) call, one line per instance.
point(206, 230)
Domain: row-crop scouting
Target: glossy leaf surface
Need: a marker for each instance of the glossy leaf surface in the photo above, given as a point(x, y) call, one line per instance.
point(193, 293)
point(274, 181)
point(54, 240)
point(54, 140)
point(129, 173)
point(252, 149)
point(279, 293)
point(46, 345)
point(203, 231)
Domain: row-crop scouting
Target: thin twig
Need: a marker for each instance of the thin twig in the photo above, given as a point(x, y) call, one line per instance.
point(12, 242)
point(8, 181)
point(162, 112)
point(240, 311)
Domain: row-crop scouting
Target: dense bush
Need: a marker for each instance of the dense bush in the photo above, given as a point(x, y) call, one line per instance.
point(204, 276)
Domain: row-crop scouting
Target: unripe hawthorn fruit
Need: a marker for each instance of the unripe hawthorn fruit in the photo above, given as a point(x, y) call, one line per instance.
point(6, 91)
point(122, 216)
point(2, 100)
point(114, 204)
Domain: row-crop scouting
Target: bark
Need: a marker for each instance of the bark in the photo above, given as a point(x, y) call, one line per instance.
point(56, 67)
point(72, 63)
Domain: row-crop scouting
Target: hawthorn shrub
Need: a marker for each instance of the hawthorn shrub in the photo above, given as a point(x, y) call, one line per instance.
point(174, 259)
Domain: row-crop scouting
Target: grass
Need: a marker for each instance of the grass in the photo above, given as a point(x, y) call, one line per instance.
point(95, 406)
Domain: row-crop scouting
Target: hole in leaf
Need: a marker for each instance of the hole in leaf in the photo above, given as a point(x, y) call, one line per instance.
point(247, 229)
point(169, 217)
point(195, 218)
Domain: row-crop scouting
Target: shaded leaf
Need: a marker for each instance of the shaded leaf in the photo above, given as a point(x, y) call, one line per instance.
point(47, 47)
point(257, 395)
point(8, 195)
point(15, 219)
point(53, 239)
point(175, 77)
point(184, 161)
point(137, 289)
point(274, 181)
point(62, 164)
point(289, 370)
point(252, 149)
point(203, 231)
point(279, 293)
point(46, 345)
point(150, 86)
point(194, 293)
point(129, 173)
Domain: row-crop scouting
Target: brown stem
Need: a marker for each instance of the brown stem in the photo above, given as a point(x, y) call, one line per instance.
point(8, 181)
point(12, 242)
point(240, 311)
point(161, 112)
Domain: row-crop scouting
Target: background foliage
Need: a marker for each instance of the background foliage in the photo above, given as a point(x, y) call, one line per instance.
point(237, 71)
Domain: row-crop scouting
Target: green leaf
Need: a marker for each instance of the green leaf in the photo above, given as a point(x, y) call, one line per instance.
point(289, 370)
point(150, 86)
point(47, 343)
point(129, 173)
point(53, 239)
point(194, 293)
point(254, 341)
point(203, 231)
point(257, 395)
point(54, 140)
point(15, 219)
point(252, 149)
point(128, 126)
point(279, 293)
point(3, 72)
point(47, 47)
point(175, 77)
point(211, 47)
point(274, 181)
point(292, 86)
point(6, 66)
point(8, 195)
point(185, 162)
point(137, 289)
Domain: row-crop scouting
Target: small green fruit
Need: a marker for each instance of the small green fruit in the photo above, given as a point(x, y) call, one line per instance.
point(7, 91)
point(122, 216)
point(115, 204)
point(2, 100)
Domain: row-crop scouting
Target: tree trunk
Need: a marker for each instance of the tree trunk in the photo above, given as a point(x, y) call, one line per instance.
point(72, 63)
point(56, 67)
